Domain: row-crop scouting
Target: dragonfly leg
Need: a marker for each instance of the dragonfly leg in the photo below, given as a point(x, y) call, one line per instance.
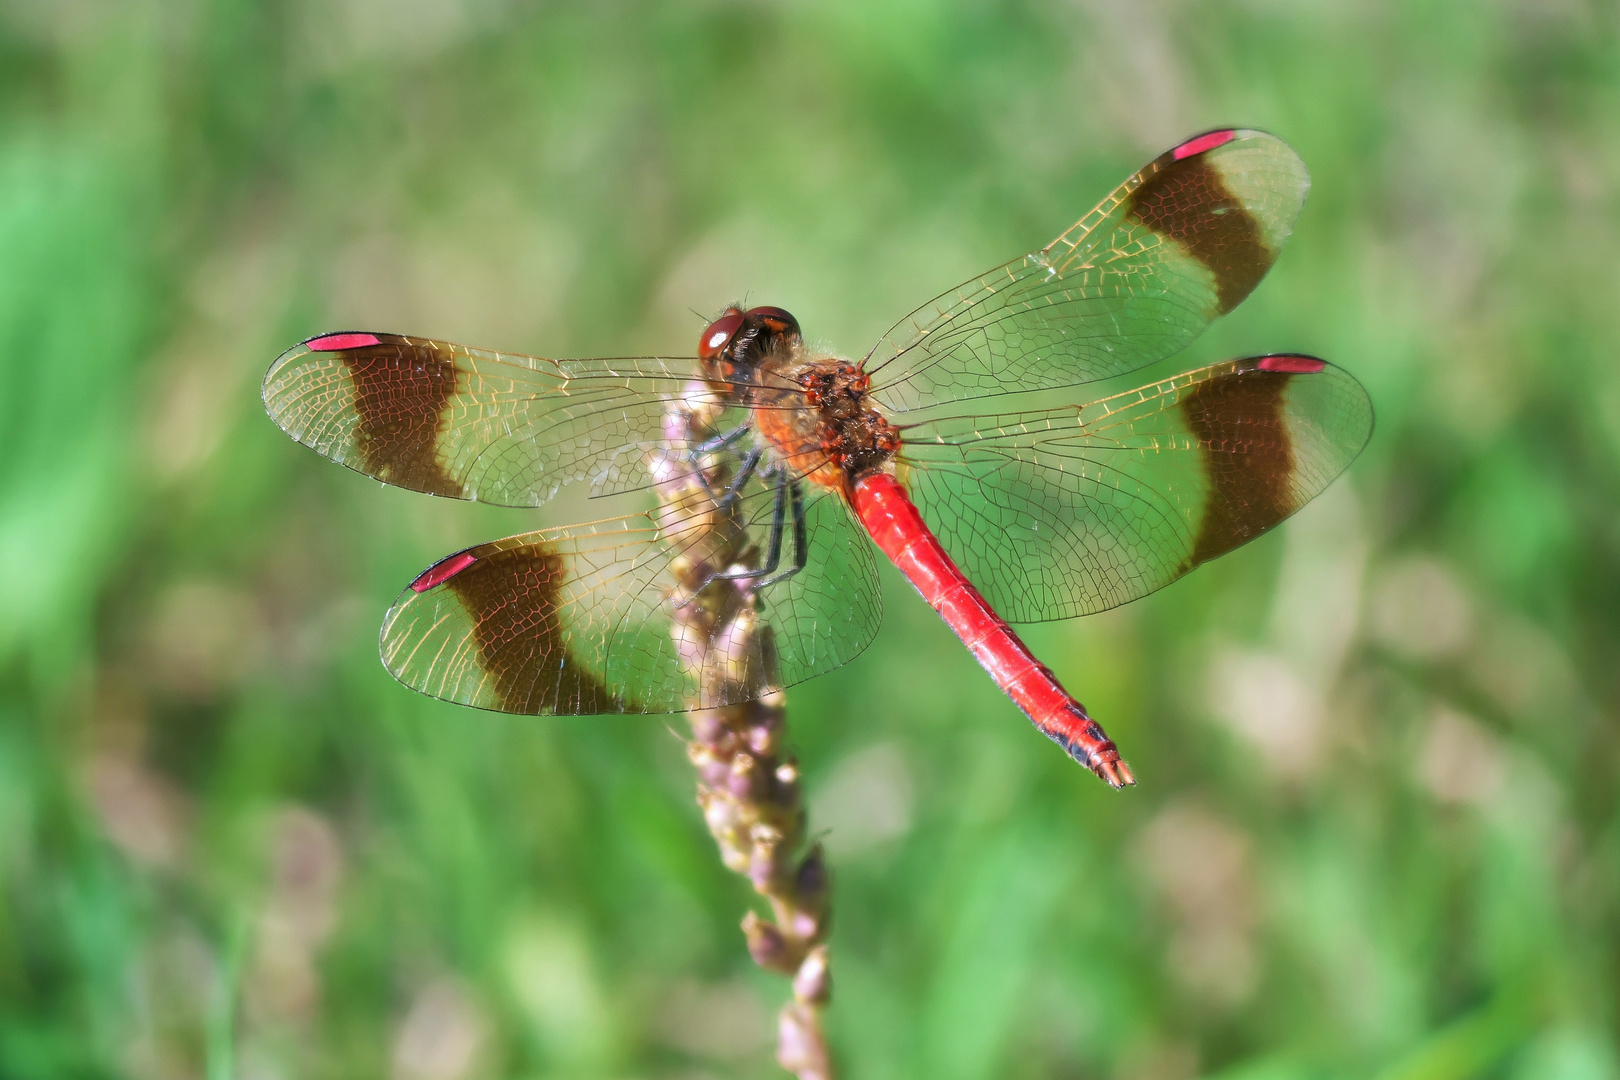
point(720, 442)
point(750, 462)
point(773, 557)
point(695, 455)
point(801, 541)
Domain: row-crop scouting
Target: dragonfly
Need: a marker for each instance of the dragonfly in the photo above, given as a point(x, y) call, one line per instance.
point(998, 508)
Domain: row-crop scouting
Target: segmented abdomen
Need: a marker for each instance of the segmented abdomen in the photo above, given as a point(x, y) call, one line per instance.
point(898, 529)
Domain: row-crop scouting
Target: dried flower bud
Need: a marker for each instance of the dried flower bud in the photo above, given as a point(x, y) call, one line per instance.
point(708, 727)
point(769, 947)
point(765, 868)
point(813, 983)
point(720, 814)
point(763, 734)
point(805, 925)
point(801, 1048)
point(745, 780)
point(811, 882)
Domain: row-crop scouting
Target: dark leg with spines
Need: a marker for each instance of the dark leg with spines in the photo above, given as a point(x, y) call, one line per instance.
point(697, 452)
point(801, 542)
point(745, 472)
point(773, 557)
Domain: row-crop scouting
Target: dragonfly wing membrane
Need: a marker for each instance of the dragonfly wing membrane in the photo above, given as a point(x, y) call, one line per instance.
point(1178, 244)
point(1064, 512)
point(588, 619)
point(466, 423)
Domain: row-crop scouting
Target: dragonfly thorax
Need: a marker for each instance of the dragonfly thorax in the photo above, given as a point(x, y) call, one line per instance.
point(819, 417)
point(820, 420)
point(854, 434)
point(815, 413)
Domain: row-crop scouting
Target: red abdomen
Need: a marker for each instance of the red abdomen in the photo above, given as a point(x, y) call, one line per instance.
point(890, 517)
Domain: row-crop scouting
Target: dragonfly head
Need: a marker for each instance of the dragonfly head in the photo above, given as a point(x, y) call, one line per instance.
point(734, 344)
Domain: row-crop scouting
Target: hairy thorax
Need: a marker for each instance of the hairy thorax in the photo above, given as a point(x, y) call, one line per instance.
point(822, 420)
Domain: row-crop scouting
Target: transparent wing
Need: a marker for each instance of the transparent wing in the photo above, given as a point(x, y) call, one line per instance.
point(1065, 512)
point(1181, 242)
point(598, 618)
point(472, 424)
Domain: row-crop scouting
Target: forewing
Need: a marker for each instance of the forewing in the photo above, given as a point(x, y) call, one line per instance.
point(1182, 241)
point(471, 424)
point(592, 618)
point(1065, 512)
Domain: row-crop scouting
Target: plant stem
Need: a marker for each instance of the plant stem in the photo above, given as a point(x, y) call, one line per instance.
point(747, 786)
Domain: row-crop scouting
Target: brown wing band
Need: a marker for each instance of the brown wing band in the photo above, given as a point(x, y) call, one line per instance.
point(1237, 419)
point(1188, 202)
point(400, 392)
point(511, 598)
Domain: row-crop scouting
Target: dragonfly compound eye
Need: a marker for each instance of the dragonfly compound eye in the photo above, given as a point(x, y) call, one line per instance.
point(774, 321)
point(737, 341)
point(719, 333)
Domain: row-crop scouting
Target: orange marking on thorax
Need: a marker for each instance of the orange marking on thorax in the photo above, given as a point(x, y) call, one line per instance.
point(823, 422)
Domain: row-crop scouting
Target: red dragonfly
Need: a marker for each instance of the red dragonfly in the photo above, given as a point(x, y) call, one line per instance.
point(995, 513)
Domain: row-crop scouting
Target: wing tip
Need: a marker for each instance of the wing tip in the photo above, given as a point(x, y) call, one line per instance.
point(1291, 363)
point(1208, 140)
point(1236, 137)
point(1215, 138)
point(1306, 364)
point(329, 342)
point(442, 571)
point(343, 339)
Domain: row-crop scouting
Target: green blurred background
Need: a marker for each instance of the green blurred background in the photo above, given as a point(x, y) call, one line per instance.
point(1377, 833)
